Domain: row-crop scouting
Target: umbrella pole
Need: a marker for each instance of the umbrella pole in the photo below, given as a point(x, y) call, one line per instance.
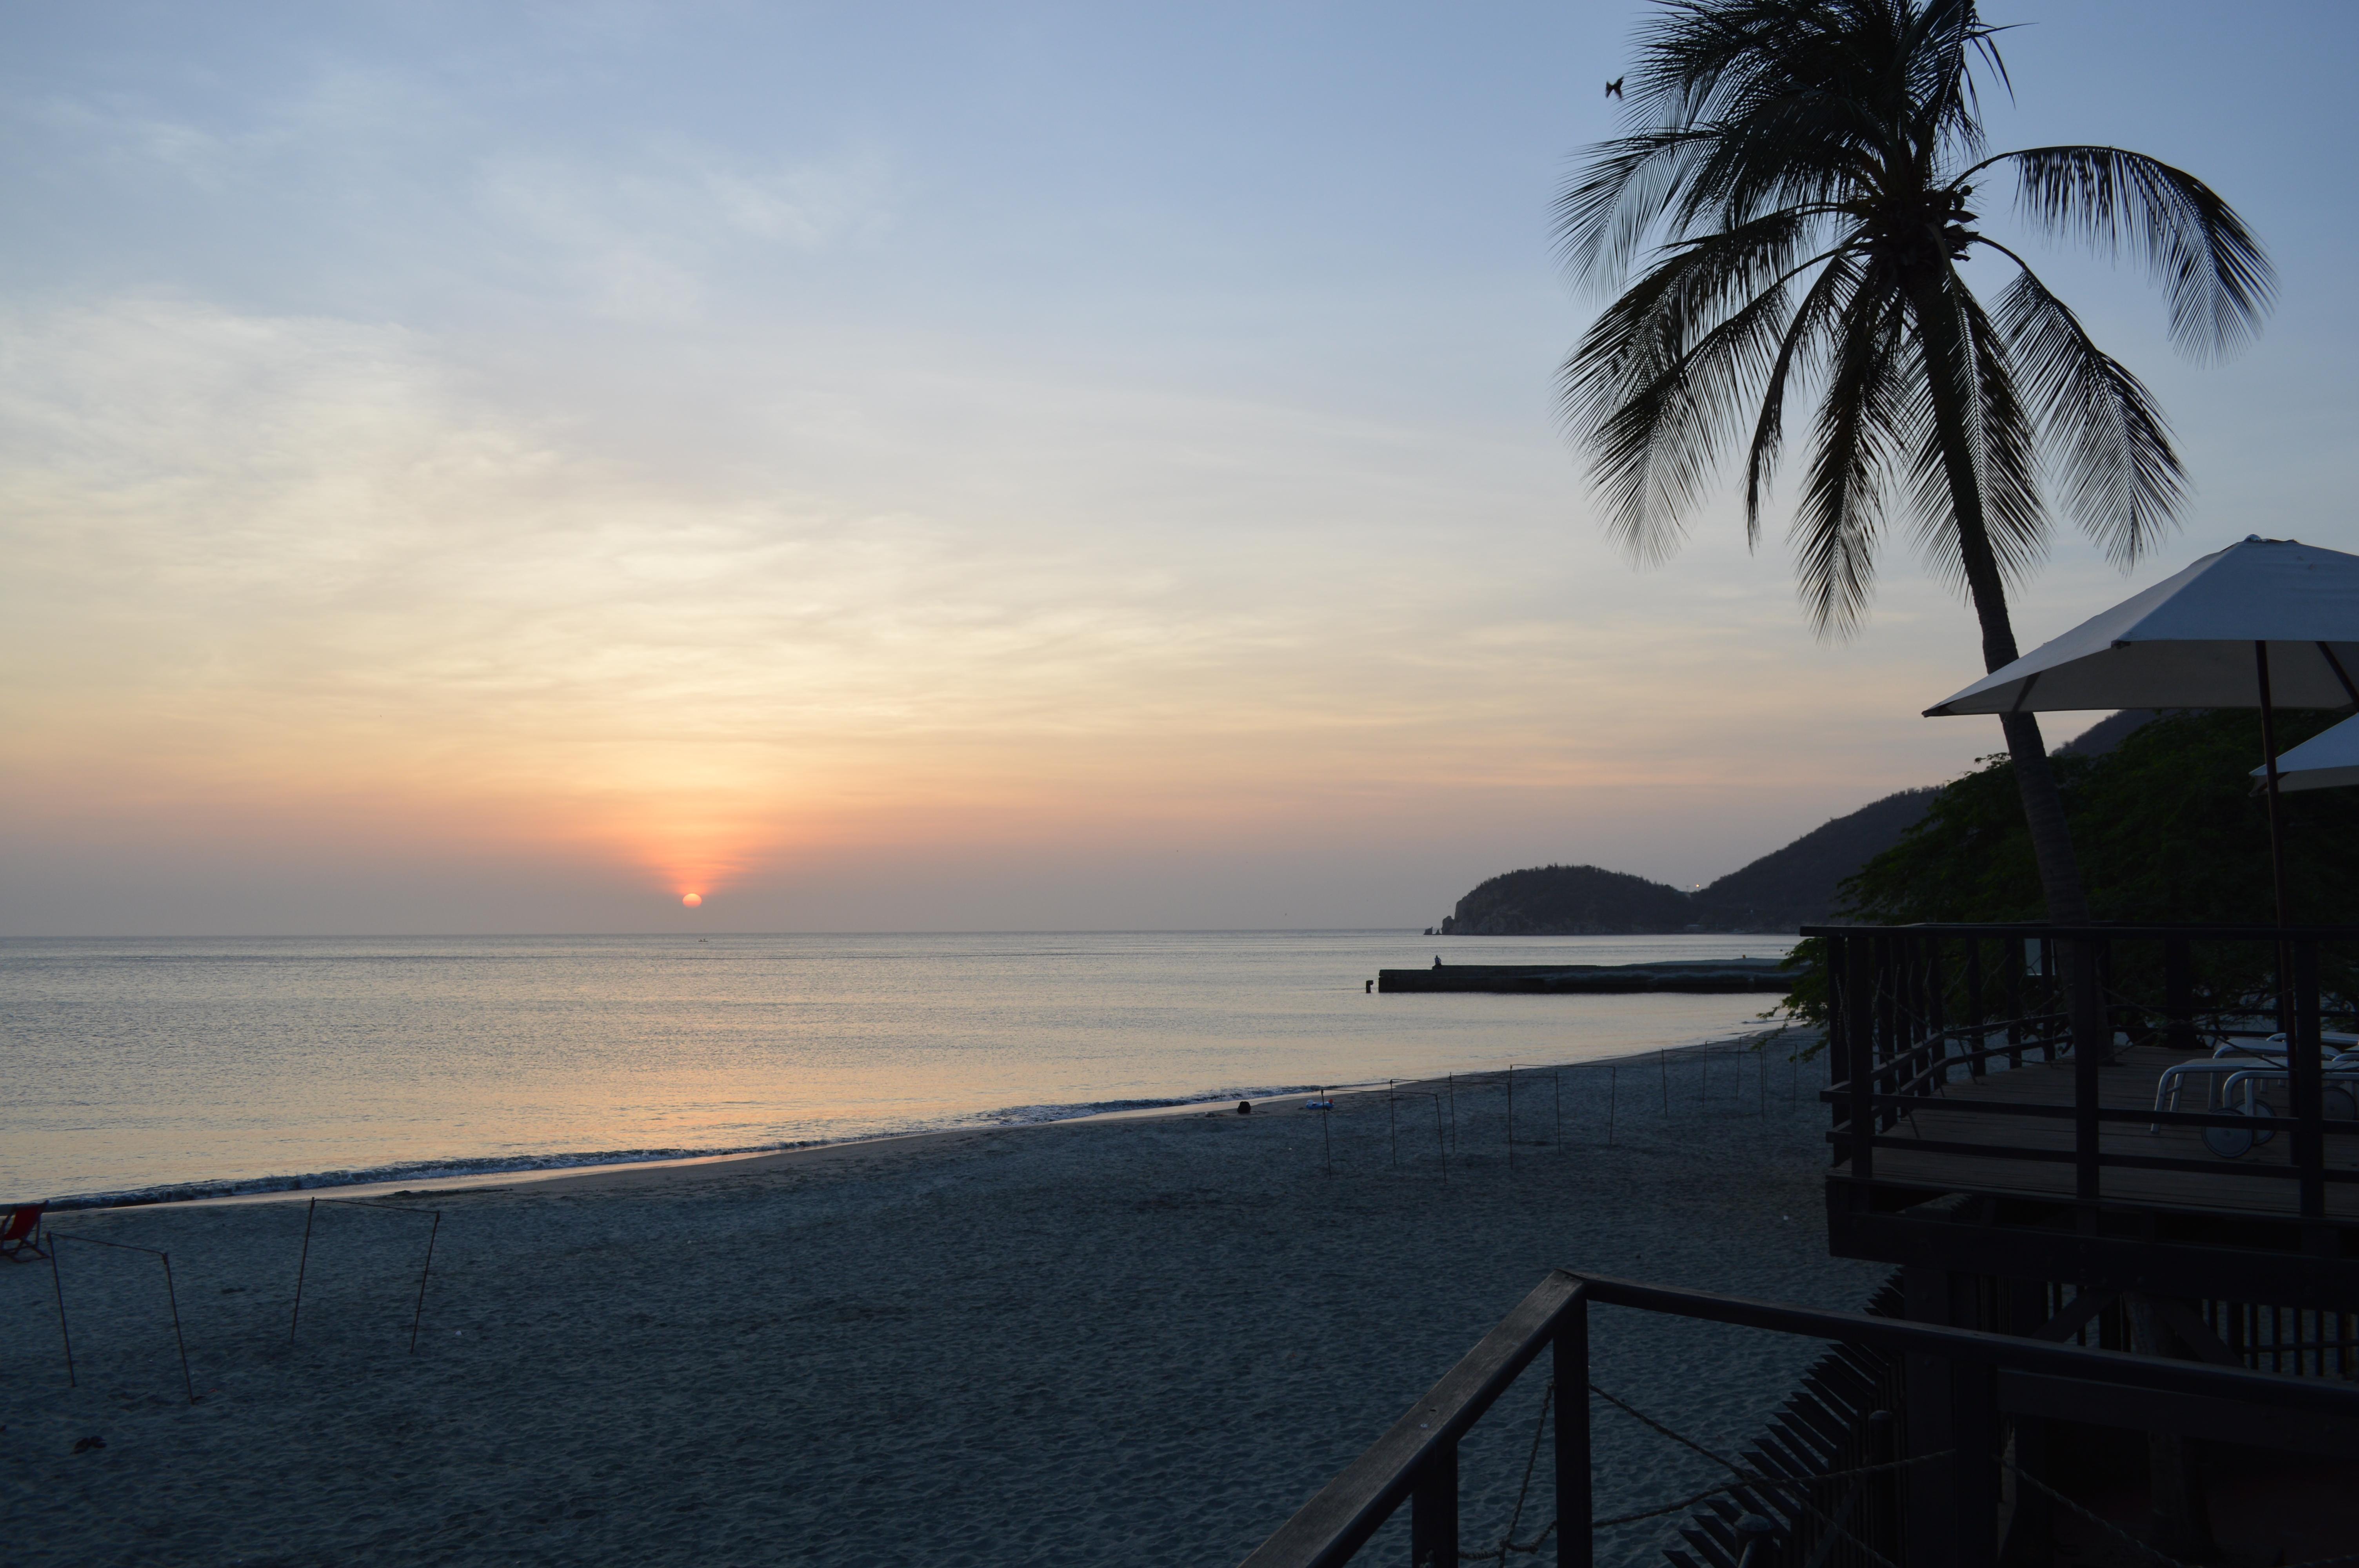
point(2277, 841)
point(2270, 762)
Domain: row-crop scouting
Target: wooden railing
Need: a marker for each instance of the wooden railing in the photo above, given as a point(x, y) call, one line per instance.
point(1912, 1008)
point(1968, 1378)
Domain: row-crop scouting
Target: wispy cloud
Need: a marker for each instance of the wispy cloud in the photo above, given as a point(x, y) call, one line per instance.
point(636, 235)
point(299, 569)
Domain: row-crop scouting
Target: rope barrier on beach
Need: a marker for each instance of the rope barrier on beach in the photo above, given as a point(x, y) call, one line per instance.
point(302, 1262)
point(172, 1296)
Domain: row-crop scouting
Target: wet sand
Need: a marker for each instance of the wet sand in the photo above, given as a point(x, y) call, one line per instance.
point(1143, 1339)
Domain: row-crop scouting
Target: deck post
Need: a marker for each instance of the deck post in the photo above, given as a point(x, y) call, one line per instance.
point(1859, 1053)
point(2308, 1085)
point(1433, 1512)
point(1884, 985)
point(1937, 1015)
point(2179, 992)
point(2088, 1068)
point(1835, 976)
point(1973, 1479)
point(2031, 1528)
point(1838, 1034)
point(1930, 1524)
point(1975, 1013)
point(1907, 998)
point(1575, 1507)
point(1881, 1499)
point(2030, 1525)
point(2011, 966)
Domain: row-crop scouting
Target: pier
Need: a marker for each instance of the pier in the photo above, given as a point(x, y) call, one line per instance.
point(1698, 975)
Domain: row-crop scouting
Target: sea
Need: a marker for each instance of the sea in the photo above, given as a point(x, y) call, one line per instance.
point(170, 1069)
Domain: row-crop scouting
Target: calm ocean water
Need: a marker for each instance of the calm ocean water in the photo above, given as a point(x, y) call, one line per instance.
point(139, 1065)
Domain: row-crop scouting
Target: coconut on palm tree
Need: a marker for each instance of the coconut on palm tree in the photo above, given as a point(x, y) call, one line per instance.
point(1797, 195)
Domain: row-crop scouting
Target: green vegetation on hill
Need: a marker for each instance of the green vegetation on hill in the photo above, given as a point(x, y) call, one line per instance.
point(2168, 828)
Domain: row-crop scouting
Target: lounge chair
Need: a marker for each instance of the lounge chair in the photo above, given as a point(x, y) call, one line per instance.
point(20, 1237)
point(2239, 1095)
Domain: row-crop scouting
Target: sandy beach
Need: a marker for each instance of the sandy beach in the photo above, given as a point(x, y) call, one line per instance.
point(1144, 1340)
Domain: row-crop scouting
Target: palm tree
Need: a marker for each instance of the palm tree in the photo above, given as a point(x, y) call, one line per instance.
point(1800, 181)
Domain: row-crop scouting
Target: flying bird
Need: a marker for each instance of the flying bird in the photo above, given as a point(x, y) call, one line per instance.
point(1613, 88)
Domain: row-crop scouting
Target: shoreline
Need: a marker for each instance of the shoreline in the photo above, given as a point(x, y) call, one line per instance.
point(1141, 1338)
point(658, 1167)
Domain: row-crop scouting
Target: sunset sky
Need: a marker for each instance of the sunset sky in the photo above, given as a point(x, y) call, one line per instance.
point(896, 466)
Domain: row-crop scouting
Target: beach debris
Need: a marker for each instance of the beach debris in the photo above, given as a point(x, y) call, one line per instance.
point(84, 1444)
point(1245, 1108)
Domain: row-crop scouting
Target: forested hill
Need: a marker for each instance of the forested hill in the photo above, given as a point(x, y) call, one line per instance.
point(1789, 887)
point(1550, 901)
point(1796, 885)
point(1783, 889)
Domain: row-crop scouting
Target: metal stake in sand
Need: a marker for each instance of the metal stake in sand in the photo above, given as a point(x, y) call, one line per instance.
point(419, 1316)
point(1326, 1142)
point(1511, 1121)
point(1449, 1083)
point(1663, 1058)
point(1612, 1093)
point(301, 1263)
point(64, 1333)
point(170, 1296)
point(1392, 1122)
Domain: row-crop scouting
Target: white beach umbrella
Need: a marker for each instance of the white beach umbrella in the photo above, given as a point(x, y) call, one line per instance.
point(2264, 624)
point(2322, 762)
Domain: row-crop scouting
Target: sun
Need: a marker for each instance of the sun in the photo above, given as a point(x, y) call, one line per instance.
point(691, 899)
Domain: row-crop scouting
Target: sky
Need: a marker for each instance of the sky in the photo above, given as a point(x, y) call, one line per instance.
point(940, 467)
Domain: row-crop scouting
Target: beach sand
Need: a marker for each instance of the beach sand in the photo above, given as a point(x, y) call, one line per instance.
point(1145, 1340)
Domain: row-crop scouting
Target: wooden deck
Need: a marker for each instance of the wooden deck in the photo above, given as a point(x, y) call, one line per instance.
point(2226, 1187)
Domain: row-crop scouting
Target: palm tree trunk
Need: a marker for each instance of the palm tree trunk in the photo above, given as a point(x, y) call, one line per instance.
point(1949, 372)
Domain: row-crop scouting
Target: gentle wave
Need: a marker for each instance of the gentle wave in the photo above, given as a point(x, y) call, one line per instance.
point(496, 1165)
point(152, 1070)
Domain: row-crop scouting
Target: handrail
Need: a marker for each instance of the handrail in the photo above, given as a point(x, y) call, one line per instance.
point(2096, 932)
point(1352, 1507)
point(1904, 1019)
point(1418, 1456)
point(2006, 1351)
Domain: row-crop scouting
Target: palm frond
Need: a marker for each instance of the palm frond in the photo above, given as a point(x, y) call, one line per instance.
point(1604, 214)
point(1664, 376)
point(1744, 108)
point(1969, 360)
point(2213, 273)
point(1861, 425)
point(1804, 343)
point(2109, 444)
point(1944, 37)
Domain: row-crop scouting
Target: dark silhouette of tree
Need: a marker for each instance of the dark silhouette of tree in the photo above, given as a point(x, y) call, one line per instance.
point(1797, 195)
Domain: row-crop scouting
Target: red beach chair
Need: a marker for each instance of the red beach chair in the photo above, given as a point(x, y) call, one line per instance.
point(20, 1238)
